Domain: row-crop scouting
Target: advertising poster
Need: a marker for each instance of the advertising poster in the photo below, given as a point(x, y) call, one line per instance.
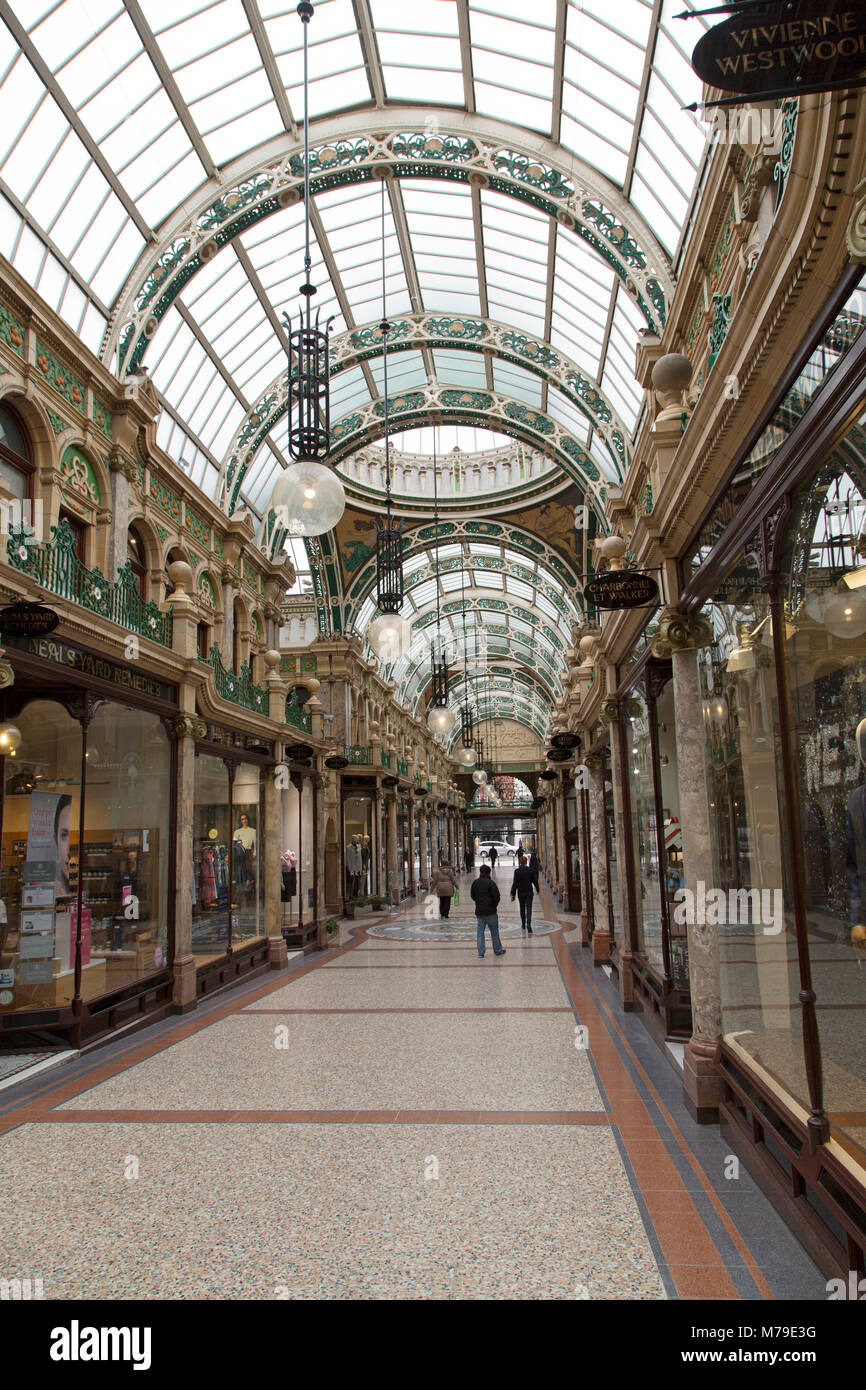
point(49, 834)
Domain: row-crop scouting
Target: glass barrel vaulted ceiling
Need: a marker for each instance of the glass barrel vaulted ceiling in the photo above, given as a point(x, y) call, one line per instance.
point(541, 180)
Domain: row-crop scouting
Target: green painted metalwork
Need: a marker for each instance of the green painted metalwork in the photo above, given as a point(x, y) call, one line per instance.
point(358, 754)
point(721, 324)
point(782, 167)
point(239, 689)
point(403, 767)
point(298, 717)
point(57, 568)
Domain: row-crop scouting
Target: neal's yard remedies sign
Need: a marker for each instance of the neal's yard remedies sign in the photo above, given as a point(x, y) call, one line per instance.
point(785, 47)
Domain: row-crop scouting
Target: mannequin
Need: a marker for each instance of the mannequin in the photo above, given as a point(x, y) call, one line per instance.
point(856, 865)
point(354, 866)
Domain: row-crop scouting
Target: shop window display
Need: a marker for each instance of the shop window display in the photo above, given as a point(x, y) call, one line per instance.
point(212, 857)
point(248, 887)
point(648, 875)
point(825, 601)
point(120, 868)
point(358, 839)
point(752, 900)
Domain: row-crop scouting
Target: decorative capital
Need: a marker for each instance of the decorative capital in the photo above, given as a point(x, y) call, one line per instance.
point(119, 463)
point(681, 632)
point(7, 675)
point(608, 711)
point(594, 762)
point(186, 726)
point(855, 236)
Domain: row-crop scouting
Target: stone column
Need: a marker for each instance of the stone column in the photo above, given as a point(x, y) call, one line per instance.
point(598, 859)
point(393, 887)
point(680, 637)
point(226, 642)
point(186, 728)
point(122, 471)
point(277, 954)
point(321, 918)
point(610, 713)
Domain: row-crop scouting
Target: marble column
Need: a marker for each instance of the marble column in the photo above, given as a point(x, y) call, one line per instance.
point(228, 633)
point(393, 886)
point(277, 954)
point(598, 859)
point(186, 727)
point(702, 1085)
point(321, 915)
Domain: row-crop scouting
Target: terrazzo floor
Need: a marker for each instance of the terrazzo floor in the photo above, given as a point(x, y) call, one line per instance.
point(396, 1120)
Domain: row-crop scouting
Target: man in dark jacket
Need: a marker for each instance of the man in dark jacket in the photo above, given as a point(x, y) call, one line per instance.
point(485, 895)
point(494, 855)
point(524, 883)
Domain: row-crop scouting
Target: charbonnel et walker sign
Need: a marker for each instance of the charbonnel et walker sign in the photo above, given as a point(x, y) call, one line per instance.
point(784, 49)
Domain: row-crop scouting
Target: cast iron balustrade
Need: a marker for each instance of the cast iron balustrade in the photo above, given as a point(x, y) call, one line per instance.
point(55, 566)
point(296, 715)
point(239, 689)
point(403, 767)
point(385, 758)
point(359, 754)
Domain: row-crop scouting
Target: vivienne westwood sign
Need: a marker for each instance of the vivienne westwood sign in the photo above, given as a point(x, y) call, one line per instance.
point(785, 48)
point(621, 589)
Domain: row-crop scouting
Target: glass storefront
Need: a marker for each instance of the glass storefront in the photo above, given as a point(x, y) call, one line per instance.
point(360, 841)
point(743, 753)
point(647, 870)
point(119, 869)
point(228, 835)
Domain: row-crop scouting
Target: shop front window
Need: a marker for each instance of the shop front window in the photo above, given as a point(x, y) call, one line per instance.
point(751, 907)
point(120, 868)
point(613, 883)
point(247, 853)
point(359, 840)
point(212, 858)
point(825, 602)
point(647, 869)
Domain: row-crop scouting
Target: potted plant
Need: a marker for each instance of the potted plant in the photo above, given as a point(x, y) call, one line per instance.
point(332, 926)
point(378, 903)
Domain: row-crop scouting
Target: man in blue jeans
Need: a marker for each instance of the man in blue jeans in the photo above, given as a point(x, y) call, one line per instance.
point(485, 895)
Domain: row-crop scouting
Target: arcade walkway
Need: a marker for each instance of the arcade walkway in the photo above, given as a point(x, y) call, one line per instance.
point(395, 1119)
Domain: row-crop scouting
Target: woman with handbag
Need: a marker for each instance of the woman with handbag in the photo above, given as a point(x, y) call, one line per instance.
point(444, 885)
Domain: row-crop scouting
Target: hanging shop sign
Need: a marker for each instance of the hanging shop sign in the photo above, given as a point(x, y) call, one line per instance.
point(564, 740)
point(785, 49)
point(617, 589)
point(27, 620)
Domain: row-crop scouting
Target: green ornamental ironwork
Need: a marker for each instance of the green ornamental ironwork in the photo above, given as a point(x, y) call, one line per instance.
point(56, 567)
point(296, 715)
point(240, 689)
point(359, 754)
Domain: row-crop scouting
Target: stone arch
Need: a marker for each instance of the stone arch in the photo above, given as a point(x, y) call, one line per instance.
point(152, 547)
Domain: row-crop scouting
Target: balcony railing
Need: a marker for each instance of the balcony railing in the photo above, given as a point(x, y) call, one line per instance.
point(403, 767)
point(359, 754)
point(239, 689)
point(56, 567)
point(385, 758)
point(297, 716)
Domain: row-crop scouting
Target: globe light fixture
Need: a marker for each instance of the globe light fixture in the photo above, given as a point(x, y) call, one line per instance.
point(844, 614)
point(479, 777)
point(308, 499)
point(466, 757)
point(441, 720)
point(389, 636)
point(10, 738)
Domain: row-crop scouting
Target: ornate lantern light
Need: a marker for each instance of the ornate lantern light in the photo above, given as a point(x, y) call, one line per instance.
point(308, 497)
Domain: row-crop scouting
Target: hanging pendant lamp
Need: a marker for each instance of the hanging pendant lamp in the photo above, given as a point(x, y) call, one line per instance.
point(440, 718)
point(389, 634)
point(308, 497)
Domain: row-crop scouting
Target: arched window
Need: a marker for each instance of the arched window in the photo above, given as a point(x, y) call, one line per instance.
point(16, 469)
point(136, 555)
